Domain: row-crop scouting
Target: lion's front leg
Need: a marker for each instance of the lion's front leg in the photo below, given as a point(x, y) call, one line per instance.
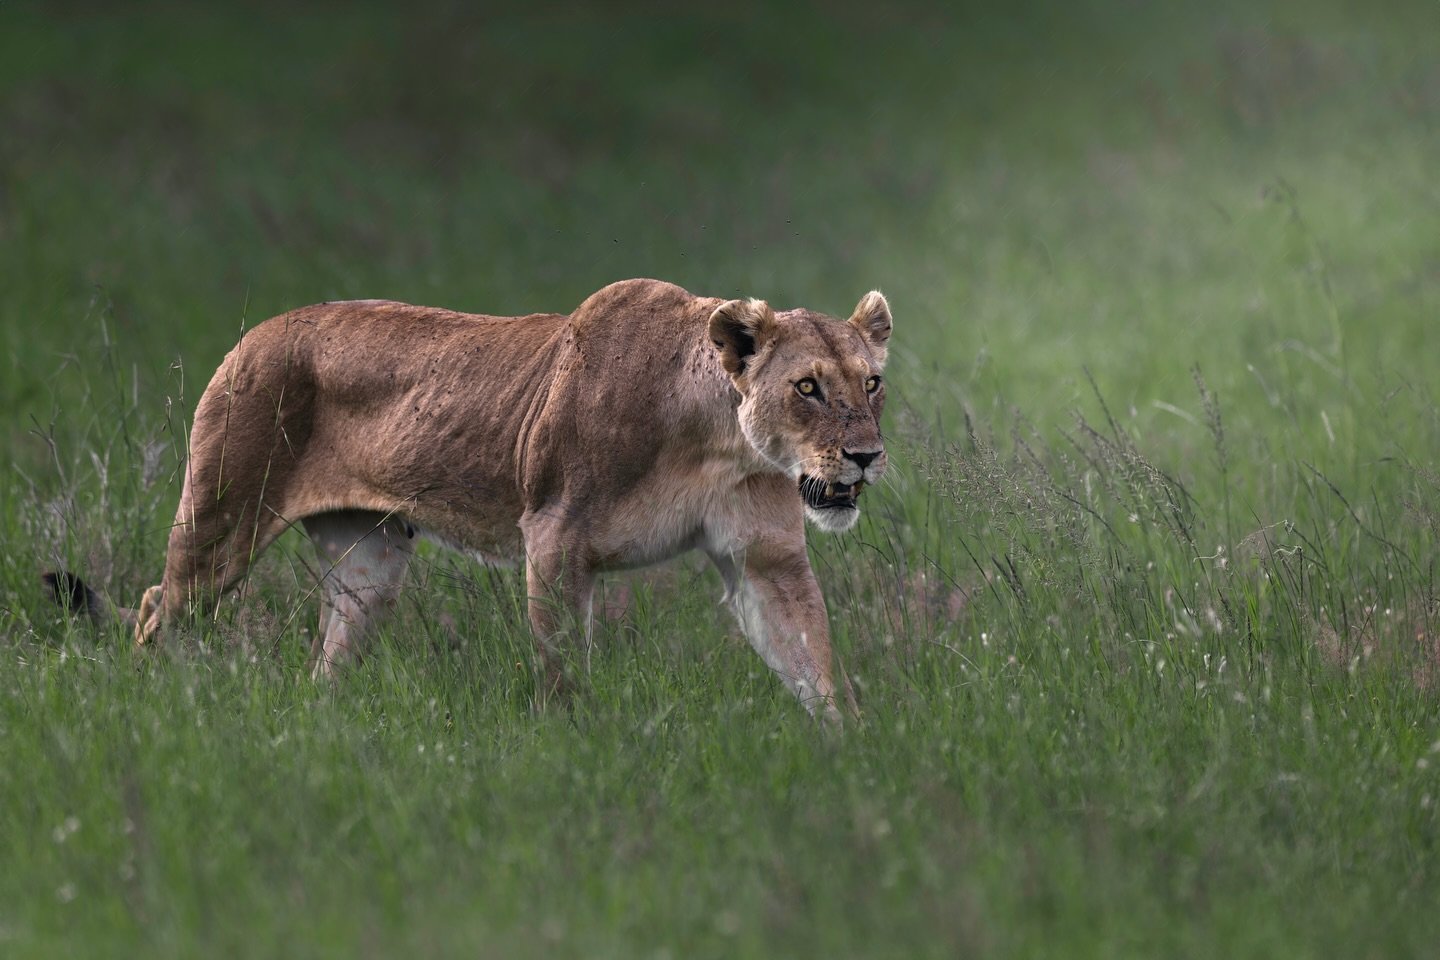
point(779, 606)
point(559, 584)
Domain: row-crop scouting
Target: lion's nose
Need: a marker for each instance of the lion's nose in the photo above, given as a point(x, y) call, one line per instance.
point(861, 460)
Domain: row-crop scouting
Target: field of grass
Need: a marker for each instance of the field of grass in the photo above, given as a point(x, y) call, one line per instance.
point(1145, 625)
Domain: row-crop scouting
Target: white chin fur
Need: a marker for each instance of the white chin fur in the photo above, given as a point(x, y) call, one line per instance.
point(832, 521)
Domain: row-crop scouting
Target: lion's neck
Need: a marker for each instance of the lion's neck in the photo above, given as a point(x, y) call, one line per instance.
point(717, 404)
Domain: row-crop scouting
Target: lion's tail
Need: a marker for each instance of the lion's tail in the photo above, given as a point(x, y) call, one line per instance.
point(72, 593)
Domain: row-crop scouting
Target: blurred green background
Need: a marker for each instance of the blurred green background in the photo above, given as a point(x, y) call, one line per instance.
point(1165, 279)
point(1038, 187)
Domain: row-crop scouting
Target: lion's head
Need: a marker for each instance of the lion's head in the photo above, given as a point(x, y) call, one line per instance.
point(812, 392)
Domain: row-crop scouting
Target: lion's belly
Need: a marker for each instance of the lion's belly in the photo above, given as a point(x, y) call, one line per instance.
point(485, 528)
point(493, 553)
point(467, 508)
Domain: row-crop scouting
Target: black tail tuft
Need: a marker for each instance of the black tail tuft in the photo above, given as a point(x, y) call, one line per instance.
point(70, 592)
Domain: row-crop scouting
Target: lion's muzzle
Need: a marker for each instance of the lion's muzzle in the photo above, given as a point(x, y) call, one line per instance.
point(829, 496)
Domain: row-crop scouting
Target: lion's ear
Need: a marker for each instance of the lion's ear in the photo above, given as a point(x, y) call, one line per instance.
point(739, 328)
point(872, 319)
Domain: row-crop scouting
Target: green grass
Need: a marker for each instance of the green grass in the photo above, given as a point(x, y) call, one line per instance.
point(1144, 622)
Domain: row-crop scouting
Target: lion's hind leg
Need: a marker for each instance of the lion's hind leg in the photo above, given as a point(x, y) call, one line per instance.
point(364, 556)
point(214, 542)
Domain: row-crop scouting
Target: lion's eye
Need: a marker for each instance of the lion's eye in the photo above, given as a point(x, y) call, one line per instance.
point(872, 384)
point(807, 387)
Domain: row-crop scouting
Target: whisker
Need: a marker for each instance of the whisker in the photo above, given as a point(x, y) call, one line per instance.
point(802, 461)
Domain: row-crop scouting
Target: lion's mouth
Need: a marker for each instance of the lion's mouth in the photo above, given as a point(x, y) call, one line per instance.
point(829, 496)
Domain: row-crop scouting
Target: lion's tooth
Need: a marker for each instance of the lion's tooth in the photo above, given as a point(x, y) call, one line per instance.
point(829, 490)
point(859, 485)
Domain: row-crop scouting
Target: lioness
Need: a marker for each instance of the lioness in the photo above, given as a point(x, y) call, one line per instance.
point(647, 423)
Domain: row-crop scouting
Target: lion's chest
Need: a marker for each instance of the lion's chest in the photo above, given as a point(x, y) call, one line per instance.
point(675, 508)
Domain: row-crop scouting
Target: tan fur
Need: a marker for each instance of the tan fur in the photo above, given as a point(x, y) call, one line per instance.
point(647, 423)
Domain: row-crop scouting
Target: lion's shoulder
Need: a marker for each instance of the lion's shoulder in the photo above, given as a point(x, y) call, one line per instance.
point(641, 289)
point(639, 306)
